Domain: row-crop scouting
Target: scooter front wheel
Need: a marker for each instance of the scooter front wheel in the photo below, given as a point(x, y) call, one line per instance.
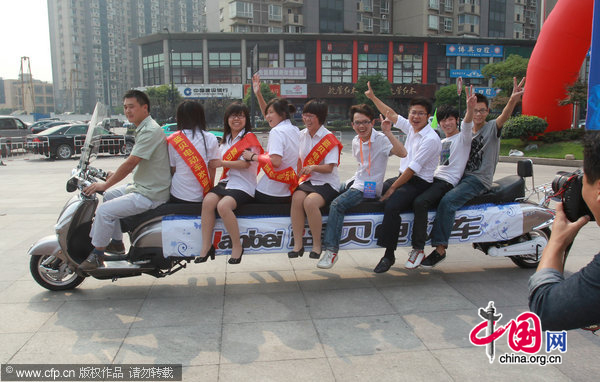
point(53, 273)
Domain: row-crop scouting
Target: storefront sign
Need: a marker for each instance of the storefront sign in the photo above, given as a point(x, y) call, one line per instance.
point(474, 50)
point(282, 73)
point(347, 90)
point(211, 91)
point(275, 88)
point(466, 73)
point(488, 92)
point(294, 90)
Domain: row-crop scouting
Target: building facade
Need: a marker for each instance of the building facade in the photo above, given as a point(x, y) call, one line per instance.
point(219, 65)
point(11, 95)
point(92, 55)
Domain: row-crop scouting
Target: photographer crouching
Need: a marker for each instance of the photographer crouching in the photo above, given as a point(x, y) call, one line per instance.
point(571, 303)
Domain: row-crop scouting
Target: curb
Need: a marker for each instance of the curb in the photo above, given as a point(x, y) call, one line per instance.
point(545, 161)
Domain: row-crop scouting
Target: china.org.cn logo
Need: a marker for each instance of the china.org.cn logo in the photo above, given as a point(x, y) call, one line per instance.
point(524, 337)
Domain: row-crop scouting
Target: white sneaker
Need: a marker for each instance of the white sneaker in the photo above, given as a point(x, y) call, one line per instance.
point(328, 259)
point(414, 259)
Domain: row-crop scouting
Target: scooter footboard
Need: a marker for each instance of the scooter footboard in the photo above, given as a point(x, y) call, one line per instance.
point(181, 234)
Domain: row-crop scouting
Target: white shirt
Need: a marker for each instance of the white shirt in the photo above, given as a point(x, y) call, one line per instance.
point(306, 145)
point(184, 184)
point(423, 149)
point(240, 179)
point(284, 140)
point(454, 155)
point(377, 153)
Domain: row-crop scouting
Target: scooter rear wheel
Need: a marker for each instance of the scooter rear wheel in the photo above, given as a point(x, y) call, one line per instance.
point(53, 273)
point(531, 261)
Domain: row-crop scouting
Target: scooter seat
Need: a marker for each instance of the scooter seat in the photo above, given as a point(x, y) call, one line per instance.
point(129, 223)
point(503, 190)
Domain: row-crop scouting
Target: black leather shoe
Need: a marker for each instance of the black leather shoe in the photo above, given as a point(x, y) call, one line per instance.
point(238, 260)
point(294, 254)
point(384, 265)
point(314, 255)
point(210, 253)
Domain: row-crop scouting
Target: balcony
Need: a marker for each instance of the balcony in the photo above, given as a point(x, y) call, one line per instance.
point(469, 8)
point(291, 19)
point(293, 3)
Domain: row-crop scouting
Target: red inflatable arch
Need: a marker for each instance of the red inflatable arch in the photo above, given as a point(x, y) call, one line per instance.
point(555, 61)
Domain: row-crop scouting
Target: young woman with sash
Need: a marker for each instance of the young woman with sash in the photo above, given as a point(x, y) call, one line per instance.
point(237, 184)
point(319, 180)
point(280, 162)
point(192, 150)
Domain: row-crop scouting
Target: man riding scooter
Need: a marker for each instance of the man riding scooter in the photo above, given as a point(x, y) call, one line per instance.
point(149, 163)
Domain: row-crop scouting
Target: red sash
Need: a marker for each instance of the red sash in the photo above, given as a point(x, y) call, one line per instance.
point(237, 150)
point(319, 152)
point(192, 158)
point(287, 176)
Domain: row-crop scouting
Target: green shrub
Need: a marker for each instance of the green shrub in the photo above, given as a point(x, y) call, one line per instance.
point(524, 127)
point(563, 135)
point(338, 123)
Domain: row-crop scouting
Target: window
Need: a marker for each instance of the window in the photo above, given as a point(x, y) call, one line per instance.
point(224, 67)
point(241, 9)
point(187, 68)
point(274, 12)
point(468, 19)
point(153, 69)
point(371, 64)
point(433, 22)
point(367, 23)
point(434, 4)
point(336, 68)
point(408, 65)
point(385, 6)
point(449, 5)
point(448, 24)
point(384, 26)
point(268, 60)
point(295, 60)
point(365, 5)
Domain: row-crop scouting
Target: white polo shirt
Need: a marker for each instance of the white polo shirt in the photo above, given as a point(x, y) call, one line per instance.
point(306, 145)
point(454, 155)
point(423, 149)
point(240, 179)
point(184, 184)
point(372, 166)
point(284, 140)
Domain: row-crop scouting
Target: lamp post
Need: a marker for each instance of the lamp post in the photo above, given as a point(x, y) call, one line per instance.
point(170, 69)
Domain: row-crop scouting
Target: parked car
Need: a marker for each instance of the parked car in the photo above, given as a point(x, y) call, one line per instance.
point(12, 127)
point(42, 122)
point(47, 125)
point(170, 128)
point(65, 141)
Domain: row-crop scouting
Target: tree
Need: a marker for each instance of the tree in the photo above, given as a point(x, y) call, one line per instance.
point(576, 94)
point(266, 93)
point(446, 95)
point(380, 85)
point(503, 72)
point(161, 108)
point(524, 127)
point(214, 109)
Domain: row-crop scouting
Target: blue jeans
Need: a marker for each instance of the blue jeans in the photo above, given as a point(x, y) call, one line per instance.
point(335, 221)
point(564, 304)
point(468, 188)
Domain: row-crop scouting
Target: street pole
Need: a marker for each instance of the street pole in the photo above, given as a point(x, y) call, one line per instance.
point(253, 65)
point(459, 82)
point(170, 70)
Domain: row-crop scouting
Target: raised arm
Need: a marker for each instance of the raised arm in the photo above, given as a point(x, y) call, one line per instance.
point(382, 107)
point(256, 88)
point(398, 148)
point(514, 99)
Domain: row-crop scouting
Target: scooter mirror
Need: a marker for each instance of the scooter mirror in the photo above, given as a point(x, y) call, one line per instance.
point(72, 184)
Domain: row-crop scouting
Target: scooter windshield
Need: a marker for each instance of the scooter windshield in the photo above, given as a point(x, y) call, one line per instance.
point(89, 150)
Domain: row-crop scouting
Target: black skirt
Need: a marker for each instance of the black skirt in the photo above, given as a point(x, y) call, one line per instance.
point(326, 191)
point(240, 196)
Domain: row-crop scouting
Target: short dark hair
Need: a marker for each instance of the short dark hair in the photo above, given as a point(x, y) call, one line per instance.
point(422, 101)
point(141, 97)
point(282, 107)
point(190, 116)
point(482, 98)
point(446, 111)
point(235, 109)
point(591, 156)
point(317, 107)
point(362, 109)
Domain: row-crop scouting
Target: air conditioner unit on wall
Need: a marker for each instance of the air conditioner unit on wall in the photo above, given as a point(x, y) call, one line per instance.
point(383, 17)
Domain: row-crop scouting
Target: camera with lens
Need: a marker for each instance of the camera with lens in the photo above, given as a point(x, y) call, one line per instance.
point(567, 186)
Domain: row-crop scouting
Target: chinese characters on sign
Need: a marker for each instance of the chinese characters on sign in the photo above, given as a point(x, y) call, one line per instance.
point(474, 50)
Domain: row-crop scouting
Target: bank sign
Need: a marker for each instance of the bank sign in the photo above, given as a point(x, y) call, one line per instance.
point(211, 91)
point(474, 50)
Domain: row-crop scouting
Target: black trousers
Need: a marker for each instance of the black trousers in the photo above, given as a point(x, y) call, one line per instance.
point(421, 205)
point(400, 201)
